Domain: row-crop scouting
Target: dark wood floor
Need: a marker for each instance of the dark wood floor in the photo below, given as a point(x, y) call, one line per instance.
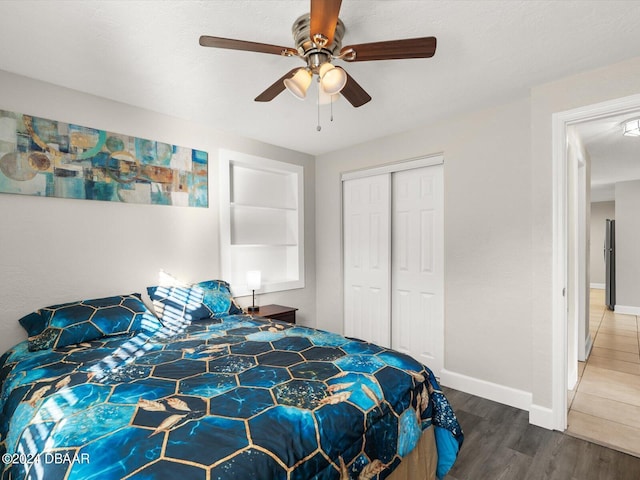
point(500, 444)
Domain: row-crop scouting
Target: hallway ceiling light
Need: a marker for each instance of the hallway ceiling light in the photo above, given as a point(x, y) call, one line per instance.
point(631, 128)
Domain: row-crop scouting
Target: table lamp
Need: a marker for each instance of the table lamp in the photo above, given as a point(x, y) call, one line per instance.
point(253, 284)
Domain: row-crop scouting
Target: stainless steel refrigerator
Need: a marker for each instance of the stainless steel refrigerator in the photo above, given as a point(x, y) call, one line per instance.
point(610, 264)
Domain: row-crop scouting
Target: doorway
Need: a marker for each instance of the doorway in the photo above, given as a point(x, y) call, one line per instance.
point(565, 321)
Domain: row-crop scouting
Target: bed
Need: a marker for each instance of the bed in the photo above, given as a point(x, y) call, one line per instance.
point(198, 390)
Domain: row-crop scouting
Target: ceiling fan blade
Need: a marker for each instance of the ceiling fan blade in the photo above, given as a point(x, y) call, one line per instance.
point(423, 47)
point(354, 93)
point(324, 18)
point(231, 44)
point(276, 88)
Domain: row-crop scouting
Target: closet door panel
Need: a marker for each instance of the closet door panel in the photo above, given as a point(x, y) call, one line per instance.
point(417, 265)
point(366, 217)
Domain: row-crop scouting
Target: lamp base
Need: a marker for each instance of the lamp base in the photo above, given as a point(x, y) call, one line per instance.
point(253, 309)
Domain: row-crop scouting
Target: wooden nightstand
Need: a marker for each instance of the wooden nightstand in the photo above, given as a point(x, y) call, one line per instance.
point(277, 312)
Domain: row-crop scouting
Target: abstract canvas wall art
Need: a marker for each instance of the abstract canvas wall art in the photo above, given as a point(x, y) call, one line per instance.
point(54, 159)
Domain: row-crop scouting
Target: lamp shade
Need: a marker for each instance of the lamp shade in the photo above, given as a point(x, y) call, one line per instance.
point(632, 128)
point(254, 280)
point(299, 83)
point(333, 79)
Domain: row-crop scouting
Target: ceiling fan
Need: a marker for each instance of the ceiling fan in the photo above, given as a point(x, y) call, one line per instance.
point(318, 40)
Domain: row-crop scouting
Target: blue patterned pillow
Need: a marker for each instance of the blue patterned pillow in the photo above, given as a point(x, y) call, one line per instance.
point(34, 323)
point(86, 320)
point(209, 299)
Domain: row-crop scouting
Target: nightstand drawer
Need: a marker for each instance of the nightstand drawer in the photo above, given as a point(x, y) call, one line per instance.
point(285, 317)
point(278, 312)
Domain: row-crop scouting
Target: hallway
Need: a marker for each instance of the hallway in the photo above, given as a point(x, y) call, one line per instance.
point(605, 406)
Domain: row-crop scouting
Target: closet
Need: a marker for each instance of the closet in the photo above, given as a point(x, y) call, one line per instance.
point(393, 264)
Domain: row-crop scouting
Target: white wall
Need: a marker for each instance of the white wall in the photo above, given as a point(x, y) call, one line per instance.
point(627, 247)
point(600, 211)
point(588, 88)
point(498, 230)
point(56, 250)
point(487, 236)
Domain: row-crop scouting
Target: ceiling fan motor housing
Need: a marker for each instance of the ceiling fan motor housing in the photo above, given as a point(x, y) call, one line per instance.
point(315, 53)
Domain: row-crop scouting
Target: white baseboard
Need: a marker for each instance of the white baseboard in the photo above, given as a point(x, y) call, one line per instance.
point(491, 391)
point(626, 310)
point(538, 415)
point(542, 417)
point(599, 286)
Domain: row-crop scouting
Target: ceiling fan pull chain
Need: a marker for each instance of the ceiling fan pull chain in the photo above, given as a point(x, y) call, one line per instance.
point(331, 104)
point(318, 128)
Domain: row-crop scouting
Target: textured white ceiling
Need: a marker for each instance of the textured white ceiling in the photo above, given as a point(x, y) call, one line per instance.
point(614, 157)
point(146, 53)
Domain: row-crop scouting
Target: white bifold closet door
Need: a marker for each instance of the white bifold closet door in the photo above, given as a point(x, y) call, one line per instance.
point(367, 274)
point(393, 261)
point(417, 290)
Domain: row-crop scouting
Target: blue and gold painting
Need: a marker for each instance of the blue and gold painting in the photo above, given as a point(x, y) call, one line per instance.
point(49, 158)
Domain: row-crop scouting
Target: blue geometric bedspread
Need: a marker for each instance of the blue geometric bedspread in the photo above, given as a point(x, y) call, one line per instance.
point(237, 397)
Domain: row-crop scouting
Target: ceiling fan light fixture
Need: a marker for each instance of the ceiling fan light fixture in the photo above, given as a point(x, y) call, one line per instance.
point(332, 78)
point(325, 99)
point(318, 41)
point(631, 128)
point(299, 83)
